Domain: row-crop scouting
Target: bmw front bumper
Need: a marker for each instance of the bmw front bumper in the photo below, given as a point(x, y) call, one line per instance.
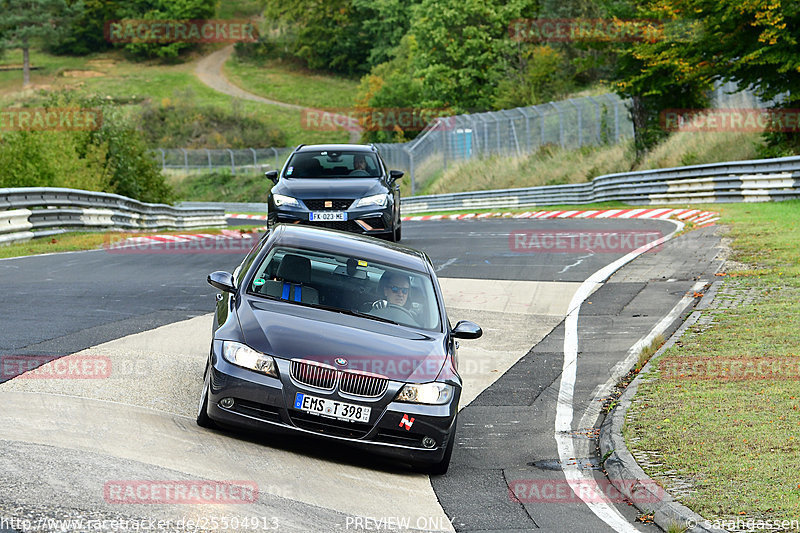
point(264, 403)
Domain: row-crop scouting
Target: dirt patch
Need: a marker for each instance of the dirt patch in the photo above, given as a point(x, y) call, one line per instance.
point(82, 74)
point(102, 63)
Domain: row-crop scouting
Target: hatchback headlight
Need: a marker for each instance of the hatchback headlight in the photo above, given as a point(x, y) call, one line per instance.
point(377, 199)
point(244, 356)
point(430, 393)
point(280, 200)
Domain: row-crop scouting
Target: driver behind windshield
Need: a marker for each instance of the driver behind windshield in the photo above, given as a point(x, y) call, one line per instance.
point(394, 289)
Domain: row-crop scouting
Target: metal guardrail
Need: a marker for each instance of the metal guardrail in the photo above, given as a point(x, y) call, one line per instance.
point(31, 212)
point(735, 181)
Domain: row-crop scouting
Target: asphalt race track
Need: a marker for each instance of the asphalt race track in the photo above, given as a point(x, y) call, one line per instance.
point(144, 319)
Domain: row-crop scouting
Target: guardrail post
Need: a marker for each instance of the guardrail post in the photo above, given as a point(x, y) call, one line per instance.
point(208, 156)
point(163, 159)
point(185, 160)
point(255, 161)
point(276, 157)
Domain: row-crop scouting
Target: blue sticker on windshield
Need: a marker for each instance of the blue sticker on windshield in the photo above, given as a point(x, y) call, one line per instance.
point(289, 171)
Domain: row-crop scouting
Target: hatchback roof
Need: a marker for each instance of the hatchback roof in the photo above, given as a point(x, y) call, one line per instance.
point(336, 147)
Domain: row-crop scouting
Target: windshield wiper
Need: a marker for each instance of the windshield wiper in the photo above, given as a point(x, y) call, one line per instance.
point(353, 312)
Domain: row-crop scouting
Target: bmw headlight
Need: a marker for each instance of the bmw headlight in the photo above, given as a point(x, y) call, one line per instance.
point(280, 200)
point(430, 393)
point(379, 200)
point(242, 355)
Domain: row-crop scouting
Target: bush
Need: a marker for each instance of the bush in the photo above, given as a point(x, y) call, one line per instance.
point(53, 159)
point(113, 158)
point(182, 125)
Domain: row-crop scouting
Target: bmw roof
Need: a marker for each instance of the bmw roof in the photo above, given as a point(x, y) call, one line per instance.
point(358, 246)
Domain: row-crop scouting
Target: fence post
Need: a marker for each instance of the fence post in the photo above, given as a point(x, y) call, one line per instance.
point(580, 121)
point(233, 163)
point(616, 117)
point(597, 133)
point(527, 126)
point(444, 141)
point(255, 161)
point(185, 160)
point(410, 155)
point(208, 155)
point(561, 139)
point(276, 157)
point(163, 160)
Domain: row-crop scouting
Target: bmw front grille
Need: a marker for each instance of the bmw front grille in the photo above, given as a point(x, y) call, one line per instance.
point(326, 377)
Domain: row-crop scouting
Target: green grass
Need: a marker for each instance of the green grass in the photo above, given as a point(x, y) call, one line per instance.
point(249, 187)
point(50, 71)
point(290, 83)
point(77, 241)
point(239, 9)
point(129, 81)
point(552, 165)
point(738, 442)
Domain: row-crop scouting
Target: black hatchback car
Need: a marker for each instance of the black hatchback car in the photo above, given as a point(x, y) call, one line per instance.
point(336, 336)
point(337, 186)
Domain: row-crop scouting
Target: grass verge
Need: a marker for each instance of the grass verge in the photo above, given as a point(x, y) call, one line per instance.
point(734, 437)
point(552, 165)
point(293, 84)
point(79, 241)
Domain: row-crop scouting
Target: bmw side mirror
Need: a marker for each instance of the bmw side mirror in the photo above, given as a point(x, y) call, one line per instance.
point(222, 281)
point(467, 330)
point(395, 175)
point(272, 175)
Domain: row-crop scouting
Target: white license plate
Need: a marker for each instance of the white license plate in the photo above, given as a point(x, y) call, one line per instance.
point(327, 216)
point(331, 408)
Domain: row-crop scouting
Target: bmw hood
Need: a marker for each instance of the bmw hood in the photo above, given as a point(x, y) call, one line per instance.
point(290, 331)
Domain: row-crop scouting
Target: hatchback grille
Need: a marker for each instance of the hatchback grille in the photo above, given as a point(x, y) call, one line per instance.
point(338, 205)
point(341, 225)
point(359, 384)
point(314, 374)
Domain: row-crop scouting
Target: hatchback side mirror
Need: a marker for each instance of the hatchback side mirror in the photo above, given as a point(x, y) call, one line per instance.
point(222, 281)
point(467, 330)
point(395, 175)
point(272, 175)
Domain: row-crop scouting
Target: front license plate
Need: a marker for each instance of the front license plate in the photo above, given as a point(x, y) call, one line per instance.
point(331, 408)
point(327, 216)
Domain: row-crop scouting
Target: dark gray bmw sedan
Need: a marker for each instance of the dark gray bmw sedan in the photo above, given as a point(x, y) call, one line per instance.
point(336, 336)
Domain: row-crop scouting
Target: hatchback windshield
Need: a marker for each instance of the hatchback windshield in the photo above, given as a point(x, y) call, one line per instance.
point(348, 284)
point(333, 164)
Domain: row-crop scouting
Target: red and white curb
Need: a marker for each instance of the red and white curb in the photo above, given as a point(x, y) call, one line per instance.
point(698, 217)
point(247, 217)
point(183, 238)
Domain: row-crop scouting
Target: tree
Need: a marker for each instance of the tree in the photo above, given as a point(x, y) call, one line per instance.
point(328, 35)
point(26, 21)
point(655, 76)
point(753, 43)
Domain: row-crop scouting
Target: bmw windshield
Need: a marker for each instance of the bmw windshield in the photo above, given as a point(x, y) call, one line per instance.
point(348, 284)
